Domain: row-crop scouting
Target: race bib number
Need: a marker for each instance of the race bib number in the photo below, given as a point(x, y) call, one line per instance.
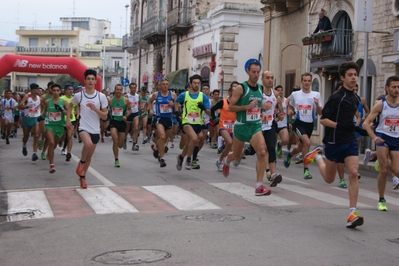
point(268, 119)
point(165, 108)
point(54, 117)
point(228, 124)
point(133, 104)
point(253, 114)
point(193, 117)
point(305, 110)
point(117, 111)
point(391, 125)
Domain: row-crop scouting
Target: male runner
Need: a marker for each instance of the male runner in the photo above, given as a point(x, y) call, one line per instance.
point(246, 102)
point(144, 113)
point(195, 103)
point(55, 109)
point(7, 114)
point(339, 138)
point(93, 106)
point(118, 112)
point(386, 135)
point(69, 131)
point(307, 104)
point(164, 102)
point(133, 119)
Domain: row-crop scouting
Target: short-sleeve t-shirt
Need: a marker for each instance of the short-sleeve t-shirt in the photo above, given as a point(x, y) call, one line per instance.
point(90, 120)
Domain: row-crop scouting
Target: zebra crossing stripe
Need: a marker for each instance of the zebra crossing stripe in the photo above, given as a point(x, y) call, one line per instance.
point(373, 195)
point(321, 196)
point(103, 201)
point(248, 193)
point(181, 199)
point(28, 205)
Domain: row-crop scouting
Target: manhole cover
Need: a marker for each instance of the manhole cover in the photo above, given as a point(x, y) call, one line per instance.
point(133, 256)
point(395, 240)
point(214, 217)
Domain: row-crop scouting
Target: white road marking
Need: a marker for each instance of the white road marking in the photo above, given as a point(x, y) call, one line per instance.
point(181, 199)
point(103, 201)
point(248, 193)
point(321, 196)
point(28, 205)
point(99, 176)
point(375, 196)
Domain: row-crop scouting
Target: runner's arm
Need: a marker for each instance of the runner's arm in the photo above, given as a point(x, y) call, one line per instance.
point(377, 108)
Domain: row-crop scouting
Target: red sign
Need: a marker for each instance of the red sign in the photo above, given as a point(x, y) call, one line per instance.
point(202, 50)
point(145, 79)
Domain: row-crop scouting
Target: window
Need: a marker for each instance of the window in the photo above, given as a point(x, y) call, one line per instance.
point(64, 42)
point(33, 42)
point(315, 87)
point(53, 42)
point(289, 81)
point(81, 24)
point(117, 65)
point(32, 80)
point(91, 54)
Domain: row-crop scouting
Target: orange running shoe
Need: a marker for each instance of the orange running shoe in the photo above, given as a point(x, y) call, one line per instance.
point(83, 183)
point(354, 220)
point(310, 156)
point(80, 169)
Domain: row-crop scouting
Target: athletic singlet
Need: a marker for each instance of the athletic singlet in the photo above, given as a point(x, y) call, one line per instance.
point(134, 101)
point(304, 105)
point(162, 105)
point(226, 118)
point(7, 105)
point(34, 107)
point(268, 115)
point(388, 120)
point(283, 123)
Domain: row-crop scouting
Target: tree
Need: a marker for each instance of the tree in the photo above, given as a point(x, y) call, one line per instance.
point(66, 79)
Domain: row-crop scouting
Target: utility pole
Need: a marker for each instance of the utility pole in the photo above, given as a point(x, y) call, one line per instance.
point(125, 52)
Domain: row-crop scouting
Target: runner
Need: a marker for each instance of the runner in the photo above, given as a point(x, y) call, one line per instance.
point(93, 106)
point(118, 112)
point(144, 113)
point(17, 115)
point(226, 122)
point(104, 123)
point(133, 119)
point(55, 109)
point(31, 106)
point(246, 102)
point(195, 103)
point(386, 136)
point(272, 105)
point(213, 128)
point(282, 124)
point(164, 102)
point(7, 114)
point(68, 142)
point(42, 123)
point(307, 104)
point(339, 138)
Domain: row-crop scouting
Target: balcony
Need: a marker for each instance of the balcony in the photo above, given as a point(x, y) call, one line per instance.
point(46, 50)
point(179, 20)
point(153, 30)
point(330, 48)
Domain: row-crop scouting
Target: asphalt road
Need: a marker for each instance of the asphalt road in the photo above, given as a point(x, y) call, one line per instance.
point(196, 217)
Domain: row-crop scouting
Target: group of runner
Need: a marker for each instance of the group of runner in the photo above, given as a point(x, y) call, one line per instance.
point(252, 113)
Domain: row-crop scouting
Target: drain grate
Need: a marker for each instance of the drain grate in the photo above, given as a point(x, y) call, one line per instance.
point(18, 216)
point(209, 217)
point(132, 256)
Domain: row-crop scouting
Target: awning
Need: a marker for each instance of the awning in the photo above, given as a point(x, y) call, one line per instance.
point(177, 79)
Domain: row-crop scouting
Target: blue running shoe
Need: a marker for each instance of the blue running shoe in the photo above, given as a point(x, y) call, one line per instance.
point(287, 159)
point(24, 151)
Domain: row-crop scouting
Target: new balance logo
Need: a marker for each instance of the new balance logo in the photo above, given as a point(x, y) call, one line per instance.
point(20, 63)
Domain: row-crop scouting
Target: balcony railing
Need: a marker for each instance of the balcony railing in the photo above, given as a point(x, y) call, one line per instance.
point(53, 50)
point(335, 43)
point(126, 41)
point(153, 29)
point(136, 36)
point(179, 17)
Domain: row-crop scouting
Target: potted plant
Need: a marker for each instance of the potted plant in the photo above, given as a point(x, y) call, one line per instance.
point(306, 40)
point(325, 36)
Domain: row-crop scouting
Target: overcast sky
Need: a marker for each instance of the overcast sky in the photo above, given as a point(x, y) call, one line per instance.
point(40, 13)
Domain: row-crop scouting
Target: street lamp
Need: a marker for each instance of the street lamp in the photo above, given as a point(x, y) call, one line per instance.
point(125, 52)
point(166, 38)
point(104, 57)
